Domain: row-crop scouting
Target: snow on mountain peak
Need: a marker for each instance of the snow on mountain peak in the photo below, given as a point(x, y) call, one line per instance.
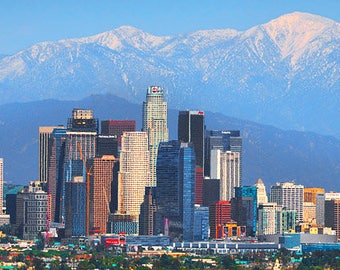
point(293, 32)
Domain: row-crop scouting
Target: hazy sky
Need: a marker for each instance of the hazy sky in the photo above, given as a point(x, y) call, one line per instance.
point(26, 22)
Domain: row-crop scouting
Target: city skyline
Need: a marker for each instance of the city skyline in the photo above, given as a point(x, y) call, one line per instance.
point(27, 23)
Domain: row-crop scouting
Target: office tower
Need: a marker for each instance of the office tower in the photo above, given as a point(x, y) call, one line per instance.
point(191, 129)
point(201, 223)
point(175, 192)
point(100, 191)
point(56, 171)
point(134, 174)
point(211, 191)
point(332, 215)
point(147, 212)
point(80, 145)
point(44, 152)
point(169, 189)
point(107, 145)
point(225, 140)
point(269, 219)
point(309, 194)
point(320, 209)
point(332, 196)
point(187, 172)
point(1, 184)
point(226, 167)
point(219, 215)
point(155, 124)
point(117, 127)
point(288, 220)
point(289, 196)
point(75, 207)
point(31, 211)
point(244, 208)
point(261, 192)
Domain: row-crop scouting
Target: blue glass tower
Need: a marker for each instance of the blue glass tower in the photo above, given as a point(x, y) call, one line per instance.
point(187, 172)
point(201, 223)
point(175, 190)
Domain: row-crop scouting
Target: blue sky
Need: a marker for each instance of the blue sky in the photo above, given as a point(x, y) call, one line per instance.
point(26, 22)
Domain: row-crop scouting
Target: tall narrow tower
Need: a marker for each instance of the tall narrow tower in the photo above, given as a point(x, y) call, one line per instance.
point(134, 172)
point(155, 123)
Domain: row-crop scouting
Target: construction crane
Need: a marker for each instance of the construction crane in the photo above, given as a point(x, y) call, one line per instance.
point(88, 187)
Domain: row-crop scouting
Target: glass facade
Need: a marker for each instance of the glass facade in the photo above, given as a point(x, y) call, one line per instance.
point(187, 169)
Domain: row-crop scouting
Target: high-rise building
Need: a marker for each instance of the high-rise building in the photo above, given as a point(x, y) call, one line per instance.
point(175, 192)
point(80, 146)
point(309, 212)
point(269, 219)
point(147, 212)
point(219, 215)
point(226, 167)
point(44, 152)
point(134, 174)
point(155, 124)
point(32, 211)
point(320, 209)
point(288, 220)
point(244, 208)
point(55, 182)
point(191, 129)
point(261, 192)
point(290, 196)
point(117, 127)
point(100, 191)
point(199, 186)
point(187, 172)
point(225, 140)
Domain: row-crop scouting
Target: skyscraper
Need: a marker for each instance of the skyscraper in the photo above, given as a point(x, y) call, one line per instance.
point(155, 124)
point(44, 152)
point(219, 215)
point(175, 192)
point(80, 145)
point(191, 129)
point(134, 174)
point(100, 191)
point(56, 171)
point(290, 196)
point(226, 167)
point(147, 212)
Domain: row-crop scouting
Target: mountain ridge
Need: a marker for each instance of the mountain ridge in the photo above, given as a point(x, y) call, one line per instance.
point(284, 83)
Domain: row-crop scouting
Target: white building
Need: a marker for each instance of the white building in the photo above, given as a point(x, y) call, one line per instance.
point(289, 196)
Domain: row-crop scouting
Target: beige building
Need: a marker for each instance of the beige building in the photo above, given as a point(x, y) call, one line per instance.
point(134, 174)
point(309, 212)
point(261, 192)
point(226, 167)
point(269, 219)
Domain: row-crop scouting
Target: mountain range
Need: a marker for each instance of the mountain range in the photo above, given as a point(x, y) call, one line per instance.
point(283, 73)
point(269, 153)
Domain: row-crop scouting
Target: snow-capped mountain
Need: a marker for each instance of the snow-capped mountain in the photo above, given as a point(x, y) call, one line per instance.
point(285, 72)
